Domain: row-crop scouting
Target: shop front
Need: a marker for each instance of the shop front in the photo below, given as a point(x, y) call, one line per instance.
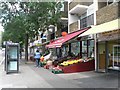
point(73, 54)
point(63, 46)
point(109, 50)
point(106, 47)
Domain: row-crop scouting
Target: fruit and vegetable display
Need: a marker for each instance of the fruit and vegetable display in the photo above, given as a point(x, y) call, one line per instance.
point(59, 65)
point(70, 62)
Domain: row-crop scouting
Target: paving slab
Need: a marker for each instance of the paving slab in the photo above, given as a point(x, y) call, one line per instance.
point(53, 79)
point(93, 80)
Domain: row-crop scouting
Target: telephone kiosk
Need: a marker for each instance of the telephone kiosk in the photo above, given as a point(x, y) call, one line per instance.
point(12, 58)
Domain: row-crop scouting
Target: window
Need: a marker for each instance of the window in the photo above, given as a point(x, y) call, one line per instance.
point(87, 21)
point(75, 48)
point(91, 48)
point(88, 48)
point(116, 55)
point(83, 23)
point(84, 48)
point(90, 20)
point(64, 51)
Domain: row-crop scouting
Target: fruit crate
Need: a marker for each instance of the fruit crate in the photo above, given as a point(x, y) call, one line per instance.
point(43, 64)
point(57, 71)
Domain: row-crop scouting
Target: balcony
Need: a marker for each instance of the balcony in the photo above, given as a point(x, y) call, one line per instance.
point(82, 23)
point(74, 26)
point(78, 9)
point(80, 2)
point(107, 13)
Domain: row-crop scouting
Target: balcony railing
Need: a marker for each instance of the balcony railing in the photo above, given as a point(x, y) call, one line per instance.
point(76, 2)
point(74, 26)
point(87, 21)
point(108, 13)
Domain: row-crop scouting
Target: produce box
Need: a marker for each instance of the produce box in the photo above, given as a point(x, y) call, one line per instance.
point(43, 64)
point(57, 71)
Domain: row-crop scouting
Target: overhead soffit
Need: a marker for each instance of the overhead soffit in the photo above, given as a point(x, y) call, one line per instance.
point(78, 9)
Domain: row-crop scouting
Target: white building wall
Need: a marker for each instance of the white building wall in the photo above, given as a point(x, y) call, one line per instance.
point(72, 19)
point(91, 9)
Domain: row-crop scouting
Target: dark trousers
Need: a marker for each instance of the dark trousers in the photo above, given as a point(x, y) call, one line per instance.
point(37, 62)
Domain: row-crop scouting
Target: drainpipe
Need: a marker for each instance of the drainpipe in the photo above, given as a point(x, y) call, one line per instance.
point(95, 37)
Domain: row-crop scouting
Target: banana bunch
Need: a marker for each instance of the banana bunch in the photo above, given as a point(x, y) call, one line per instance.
point(70, 62)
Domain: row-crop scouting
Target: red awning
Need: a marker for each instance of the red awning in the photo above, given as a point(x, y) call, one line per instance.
point(59, 42)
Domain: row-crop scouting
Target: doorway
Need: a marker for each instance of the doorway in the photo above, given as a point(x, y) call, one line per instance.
point(101, 57)
point(115, 58)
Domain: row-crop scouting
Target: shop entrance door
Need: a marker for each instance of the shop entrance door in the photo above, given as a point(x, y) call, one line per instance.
point(116, 57)
point(101, 56)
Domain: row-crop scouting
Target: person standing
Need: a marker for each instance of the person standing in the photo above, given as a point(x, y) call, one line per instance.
point(37, 58)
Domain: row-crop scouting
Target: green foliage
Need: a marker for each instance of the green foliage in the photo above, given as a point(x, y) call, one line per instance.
point(30, 18)
point(23, 20)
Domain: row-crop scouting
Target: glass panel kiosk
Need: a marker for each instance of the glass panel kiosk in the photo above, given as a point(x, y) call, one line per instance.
point(12, 58)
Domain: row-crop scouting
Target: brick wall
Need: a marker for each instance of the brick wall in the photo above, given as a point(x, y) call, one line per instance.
point(107, 13)
point(101, 4)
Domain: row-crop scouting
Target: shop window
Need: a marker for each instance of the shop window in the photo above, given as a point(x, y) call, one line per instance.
point(64, 51)
point(88, 48)
point(75, 48)
point(91, 48)
point(84, 48)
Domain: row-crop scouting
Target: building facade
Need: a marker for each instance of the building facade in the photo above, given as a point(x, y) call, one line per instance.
point(81, 15)
point(104, 15)
point(108, 47)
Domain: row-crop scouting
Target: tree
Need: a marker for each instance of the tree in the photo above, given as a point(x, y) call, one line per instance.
point(28, 18)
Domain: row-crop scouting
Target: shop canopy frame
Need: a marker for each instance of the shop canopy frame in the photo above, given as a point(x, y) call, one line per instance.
point(62, 40)
point(105, 27)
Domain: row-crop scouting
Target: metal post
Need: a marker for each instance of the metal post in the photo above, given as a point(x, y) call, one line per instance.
point(106, 57)
point(95, 52)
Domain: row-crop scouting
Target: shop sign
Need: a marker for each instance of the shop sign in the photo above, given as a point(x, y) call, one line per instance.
point(111, 35)
point(110, 32)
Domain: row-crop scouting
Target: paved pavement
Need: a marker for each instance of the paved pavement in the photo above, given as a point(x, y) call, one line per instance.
point(93, 80)
point(1, 56)
point(32, 77)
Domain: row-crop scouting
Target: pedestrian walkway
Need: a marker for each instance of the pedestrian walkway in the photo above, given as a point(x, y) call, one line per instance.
point(93, 79)
point(1, 57)
point(32, 77)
